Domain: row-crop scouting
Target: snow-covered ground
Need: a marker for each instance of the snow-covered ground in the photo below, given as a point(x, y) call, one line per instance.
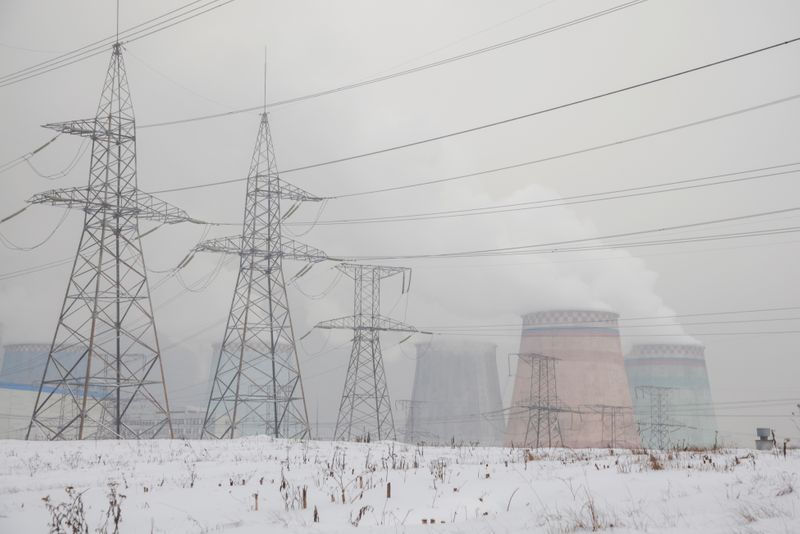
point(213, 486)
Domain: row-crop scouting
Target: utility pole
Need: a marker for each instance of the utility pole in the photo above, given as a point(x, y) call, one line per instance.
point(365, 411)
point(543, 429)
point(660, 425)
point(105, 362)
point(257, 384)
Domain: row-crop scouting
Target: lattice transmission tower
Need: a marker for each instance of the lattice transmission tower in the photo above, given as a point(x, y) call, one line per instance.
point(612, 422)
point(365, 411)
point(660, 424)
point(104, 376)
point(257, 385)
point(543, 428)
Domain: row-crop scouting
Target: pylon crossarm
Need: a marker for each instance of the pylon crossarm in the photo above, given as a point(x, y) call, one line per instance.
point(156, 209)
point(73, 197)
point(96, 128)
point(146, 207)
point(343, 323)
point(224, 245)
point(381, 271)
point(292, 192)
point(390, 325)
point(350, 322)
point(295, 250)
point(289, 249)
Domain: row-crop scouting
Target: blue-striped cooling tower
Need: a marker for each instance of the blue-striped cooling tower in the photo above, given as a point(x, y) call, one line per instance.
point(682, 369)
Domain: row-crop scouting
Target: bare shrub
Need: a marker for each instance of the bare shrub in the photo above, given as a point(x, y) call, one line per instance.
point(114, 512)
point(655, 463)
point(67, 517)
point(752, 511)
point(355, 520)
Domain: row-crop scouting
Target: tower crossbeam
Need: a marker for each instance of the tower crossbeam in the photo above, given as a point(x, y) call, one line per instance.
point(290, 250)
point(377, 323)
point(142, 206)
point(106, 129)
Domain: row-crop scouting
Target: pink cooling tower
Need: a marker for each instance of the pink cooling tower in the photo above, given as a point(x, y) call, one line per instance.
point(593, 400)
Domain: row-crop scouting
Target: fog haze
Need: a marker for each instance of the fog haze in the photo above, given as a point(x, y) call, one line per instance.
point(214, 63)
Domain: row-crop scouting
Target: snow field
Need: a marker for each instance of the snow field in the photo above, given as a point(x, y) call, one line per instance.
point(257, 485)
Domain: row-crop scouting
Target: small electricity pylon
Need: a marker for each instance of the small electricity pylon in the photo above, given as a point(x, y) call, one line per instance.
point(611, 417)
point(659, 425)
point(365, 411)
point(114, 387)
point(543, 429)
point(410, 408)
point(257, 385)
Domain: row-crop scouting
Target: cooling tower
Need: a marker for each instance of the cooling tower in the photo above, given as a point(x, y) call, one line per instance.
point(456, 394)
point(682, 369)
point(593, 406)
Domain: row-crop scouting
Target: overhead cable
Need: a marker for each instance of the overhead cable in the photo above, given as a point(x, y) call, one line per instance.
point(562, 155)
point(549, 247)
point(172, 18)
point(406, 72)
point(584, 198)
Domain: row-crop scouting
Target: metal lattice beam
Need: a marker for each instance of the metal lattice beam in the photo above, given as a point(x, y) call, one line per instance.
point(290, 250)
point(144, 206)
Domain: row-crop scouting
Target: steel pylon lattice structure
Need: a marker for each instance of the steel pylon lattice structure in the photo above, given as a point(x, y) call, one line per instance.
point(659, 424)
point(104, 376)
point(543, 429)
point(611, 418)
point(257, 386)
point(365, 411)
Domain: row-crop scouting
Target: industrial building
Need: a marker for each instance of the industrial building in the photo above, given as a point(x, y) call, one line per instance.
point(20, 375)
point(685, 415)
point(591, 404)
point(456, 394)
point(23, 363)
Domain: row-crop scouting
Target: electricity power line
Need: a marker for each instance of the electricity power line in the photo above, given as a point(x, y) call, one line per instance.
point(555, 157)
point(406, 72)
point(139, 31)
point(542, 248)
point(629, 192)
point(534, 114)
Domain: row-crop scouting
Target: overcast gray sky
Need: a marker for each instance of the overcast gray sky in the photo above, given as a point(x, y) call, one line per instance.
point(213, 64)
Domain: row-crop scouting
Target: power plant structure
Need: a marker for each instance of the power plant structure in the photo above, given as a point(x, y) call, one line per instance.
point(24, 363)
point(682, 369)
point(107, 315)
point(257, 385)
point(594, 403)
point(20, 378)
point(456, 393)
